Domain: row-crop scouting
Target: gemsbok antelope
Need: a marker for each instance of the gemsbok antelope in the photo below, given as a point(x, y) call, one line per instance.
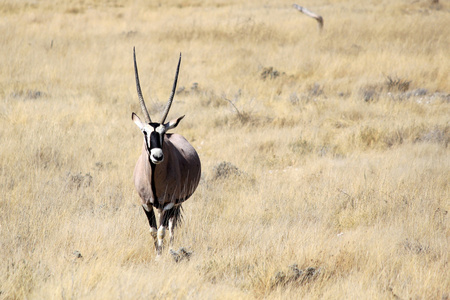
point(168, 170)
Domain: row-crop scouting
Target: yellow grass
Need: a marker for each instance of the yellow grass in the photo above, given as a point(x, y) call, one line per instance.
point(342, 149)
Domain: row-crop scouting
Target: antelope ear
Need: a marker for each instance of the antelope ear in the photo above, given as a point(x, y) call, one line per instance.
point(173, 123)
point(137, 121)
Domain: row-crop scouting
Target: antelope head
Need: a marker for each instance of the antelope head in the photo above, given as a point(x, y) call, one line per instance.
point(154, 132)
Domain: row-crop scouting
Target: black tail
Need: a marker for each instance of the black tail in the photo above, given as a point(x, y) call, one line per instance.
point(176, 212)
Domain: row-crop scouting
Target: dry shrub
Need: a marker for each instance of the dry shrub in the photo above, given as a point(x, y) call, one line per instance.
point(270, 73)
point(47, 156)
point(226, 170)
point(78, 180)
point(295, 276)
point(301, 147)
point(397, 84)
point(370, 93)
point(436, 135)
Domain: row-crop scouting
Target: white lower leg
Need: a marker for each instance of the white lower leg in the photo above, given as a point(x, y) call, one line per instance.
point(160, 234)
point(153, 232)
point(171, 234)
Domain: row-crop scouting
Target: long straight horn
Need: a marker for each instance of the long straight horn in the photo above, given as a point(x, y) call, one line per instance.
point(138, 87)
point(169, 103)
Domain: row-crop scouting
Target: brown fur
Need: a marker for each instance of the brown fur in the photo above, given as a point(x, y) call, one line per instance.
point(176, 178)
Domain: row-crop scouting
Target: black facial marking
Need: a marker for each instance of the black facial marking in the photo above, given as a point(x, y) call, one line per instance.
point(146, 140)
point(155, 140)
point(155, 137)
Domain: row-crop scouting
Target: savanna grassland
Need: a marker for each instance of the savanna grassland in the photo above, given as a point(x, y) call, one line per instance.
point(325, 154)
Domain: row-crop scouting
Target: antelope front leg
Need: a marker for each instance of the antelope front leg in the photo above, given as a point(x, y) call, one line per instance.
point(161, 235)
point(148, 209)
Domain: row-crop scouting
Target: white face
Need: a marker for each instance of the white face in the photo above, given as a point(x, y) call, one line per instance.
point(154, 137)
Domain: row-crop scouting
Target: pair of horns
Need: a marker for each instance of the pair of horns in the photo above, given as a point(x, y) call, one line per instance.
point(141, 98)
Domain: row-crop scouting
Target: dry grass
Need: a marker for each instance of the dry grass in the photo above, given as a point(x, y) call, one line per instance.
point(340, 143)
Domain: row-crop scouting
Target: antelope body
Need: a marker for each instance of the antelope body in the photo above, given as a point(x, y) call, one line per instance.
point(168, 170)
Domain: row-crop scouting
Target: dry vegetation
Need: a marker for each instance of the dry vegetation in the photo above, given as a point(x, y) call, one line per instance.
point(336, 143)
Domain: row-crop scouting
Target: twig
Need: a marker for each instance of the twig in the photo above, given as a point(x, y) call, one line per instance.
point(237, 110)
point(309, 13)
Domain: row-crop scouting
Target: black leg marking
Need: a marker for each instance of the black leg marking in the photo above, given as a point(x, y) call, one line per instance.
point(150, 217)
